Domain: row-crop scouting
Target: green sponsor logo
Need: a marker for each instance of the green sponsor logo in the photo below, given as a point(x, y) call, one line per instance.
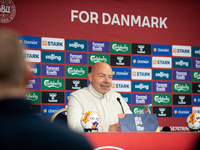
point(139, 109)
point(33, 96)
point(180, 87)
point(76, 71)
point(162, 99)
point(116, 47)
point(52, 84)
point(95, 58)
point(195, 75)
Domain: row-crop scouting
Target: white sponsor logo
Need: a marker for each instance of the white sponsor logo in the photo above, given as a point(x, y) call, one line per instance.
point(76, 45)
point(117, 48)
point(54, 84)
point(53, 57)
point(142, 86)
point(32, 55)
point(140, 99)
point(182, 63)
point(76, 83)
point(197, 75)
point(197, 51)
point(181, 50)
point(52, 70)
point(161, 87)
point(98, 59)
point(31, 97)
point(52, 95)
point(98, 47)
point(30, 84)
point(180, 75)
point(159, 99)
point(161, 62)
point(141, 74)
point(181, 98)
point(138, 111)
point(120, 58)
point(181, 87)
point(7, 11)
point(74, 71)
point(53, 43)
point(162, 114)
point(141, 47)
point(197, 63)
point(162, 74)
point(75, 58)
point(121, 86)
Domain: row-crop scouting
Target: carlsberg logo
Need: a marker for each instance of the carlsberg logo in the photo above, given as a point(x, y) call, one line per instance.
point(98, 59)
point(50, 84)
point(197, 75)
point(181, 87)
point(31, 97)
point(138, 111)
point(74, 71)
point(119, 48)
point(161, 99)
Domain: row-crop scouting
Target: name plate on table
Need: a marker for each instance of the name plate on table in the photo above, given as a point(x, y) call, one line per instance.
point(138, 123)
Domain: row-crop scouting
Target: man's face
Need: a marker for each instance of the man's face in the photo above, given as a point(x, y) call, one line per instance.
point(101, 78)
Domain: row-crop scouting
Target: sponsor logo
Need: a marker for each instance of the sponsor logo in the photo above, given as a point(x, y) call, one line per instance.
point(142, 49)
point(120, 60)
point(179, 87)
point(53, 43)
point(52, 57)
point(96, 46)
point(121, 86)
point(32, 55)
point(52, 97)
point(163, 111)
point(33, 96)
point(141, 74)
point(138, 61)
point(182, 63)
point(161, 62)
point(126, 97)
point(195, 75)
point(75, 84)
point(35, 69)
point(30, 41)
point(161, 50)
point(196, 87)
point(53, 70)
point(139, 109)
point(141, 99)
point(76, 71)
point(181, 99)
point(161, 74)
point(162, 87)
point(182, 75)
point(181, 50)
point(138, 86)
point(76, 45)
point(49, 110)
point(121, 73)
point(7, 11)
point(196, 110)
point(162, 99)
point(196, 63)
point(120, 48)
point(95, 58)
point(52, 84)
point(196, 99)
point(182, 111)
point(76, 58)
point(33, 83)
point(195, 51)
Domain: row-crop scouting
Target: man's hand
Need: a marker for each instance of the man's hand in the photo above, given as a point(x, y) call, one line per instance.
point(114, 127)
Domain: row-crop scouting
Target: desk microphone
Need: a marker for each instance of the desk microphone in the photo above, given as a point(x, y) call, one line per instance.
point(118, 99)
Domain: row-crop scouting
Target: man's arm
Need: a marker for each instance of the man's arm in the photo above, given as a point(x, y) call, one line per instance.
point(74, 114)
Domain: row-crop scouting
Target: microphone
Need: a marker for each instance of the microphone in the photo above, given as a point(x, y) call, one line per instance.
point(118, 99)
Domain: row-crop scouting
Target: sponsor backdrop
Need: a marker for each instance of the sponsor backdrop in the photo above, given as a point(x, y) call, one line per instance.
point(152, 46)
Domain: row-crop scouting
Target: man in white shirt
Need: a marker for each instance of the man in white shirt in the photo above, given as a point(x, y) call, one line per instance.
point(99, 98)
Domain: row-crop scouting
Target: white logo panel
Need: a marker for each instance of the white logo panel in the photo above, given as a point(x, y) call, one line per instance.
point(121, 86)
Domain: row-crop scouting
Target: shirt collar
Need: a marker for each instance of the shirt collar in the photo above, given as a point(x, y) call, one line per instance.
point(95, 93)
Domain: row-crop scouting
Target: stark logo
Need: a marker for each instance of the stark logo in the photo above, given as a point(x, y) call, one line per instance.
point(7, 11)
